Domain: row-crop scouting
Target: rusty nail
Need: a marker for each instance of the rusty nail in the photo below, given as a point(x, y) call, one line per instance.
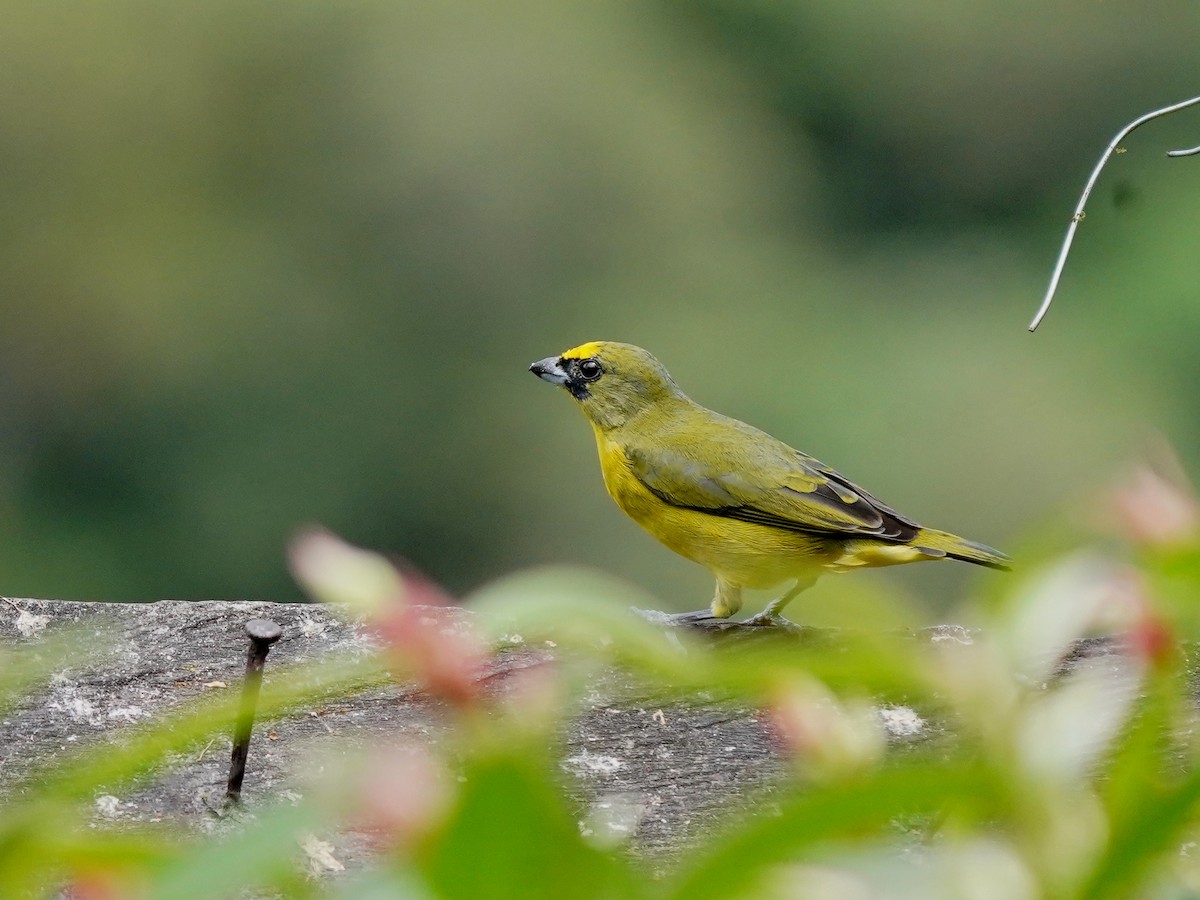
point(262, 633)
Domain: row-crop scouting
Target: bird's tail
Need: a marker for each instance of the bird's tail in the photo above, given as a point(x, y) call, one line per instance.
point(951, 545)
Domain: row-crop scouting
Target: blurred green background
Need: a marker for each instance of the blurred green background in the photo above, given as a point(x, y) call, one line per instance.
point(267, 264)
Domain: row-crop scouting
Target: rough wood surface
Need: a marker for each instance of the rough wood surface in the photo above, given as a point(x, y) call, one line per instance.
point(665, 774)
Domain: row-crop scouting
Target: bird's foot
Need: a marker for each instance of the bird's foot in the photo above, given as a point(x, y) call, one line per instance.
point(770, 618)
point(691, 618)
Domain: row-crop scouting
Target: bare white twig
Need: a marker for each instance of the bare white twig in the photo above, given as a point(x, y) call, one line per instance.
point(1114, 146)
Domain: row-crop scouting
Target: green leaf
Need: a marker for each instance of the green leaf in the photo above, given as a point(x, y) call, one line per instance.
point(1140, 760)
point(734, 864)
point(260, 854)
point(1143, 836)
point(397, 882)
point(511, 836)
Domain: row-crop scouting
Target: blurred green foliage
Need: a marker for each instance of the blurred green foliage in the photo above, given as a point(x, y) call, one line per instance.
point(1049, 782)
point(263, 264)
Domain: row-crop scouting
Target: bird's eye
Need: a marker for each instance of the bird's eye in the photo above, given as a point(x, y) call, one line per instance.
point(589, 370)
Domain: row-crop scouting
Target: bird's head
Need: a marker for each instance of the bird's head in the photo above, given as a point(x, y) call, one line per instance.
point(612, 382)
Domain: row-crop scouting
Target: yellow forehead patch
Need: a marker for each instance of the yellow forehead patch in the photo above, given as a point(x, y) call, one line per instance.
point(583, 351)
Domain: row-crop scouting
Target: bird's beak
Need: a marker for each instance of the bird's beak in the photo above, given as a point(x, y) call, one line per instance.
point(549, 369)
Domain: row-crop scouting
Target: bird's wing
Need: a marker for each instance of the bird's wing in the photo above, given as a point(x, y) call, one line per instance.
point(739, 472)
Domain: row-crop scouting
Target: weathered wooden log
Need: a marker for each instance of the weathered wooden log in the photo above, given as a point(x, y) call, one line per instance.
point(667, 773)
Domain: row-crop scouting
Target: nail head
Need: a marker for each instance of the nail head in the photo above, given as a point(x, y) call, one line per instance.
point(263, 630)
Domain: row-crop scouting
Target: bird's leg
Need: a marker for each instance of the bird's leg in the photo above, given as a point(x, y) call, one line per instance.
point(727, 600)
point(771, 615)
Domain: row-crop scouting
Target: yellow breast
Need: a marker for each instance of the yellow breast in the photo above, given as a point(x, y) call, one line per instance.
point(743, 553)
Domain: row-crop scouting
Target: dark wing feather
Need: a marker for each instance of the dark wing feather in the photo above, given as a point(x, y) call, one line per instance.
point(728, 468)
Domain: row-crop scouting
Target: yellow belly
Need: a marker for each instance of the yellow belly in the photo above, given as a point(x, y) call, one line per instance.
point(741, 553)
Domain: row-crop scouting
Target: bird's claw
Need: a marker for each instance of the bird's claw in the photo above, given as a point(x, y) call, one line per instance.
point(690, 618)
point(766, 618)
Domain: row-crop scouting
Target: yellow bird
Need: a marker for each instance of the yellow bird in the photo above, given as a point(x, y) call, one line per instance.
point(752, 510)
